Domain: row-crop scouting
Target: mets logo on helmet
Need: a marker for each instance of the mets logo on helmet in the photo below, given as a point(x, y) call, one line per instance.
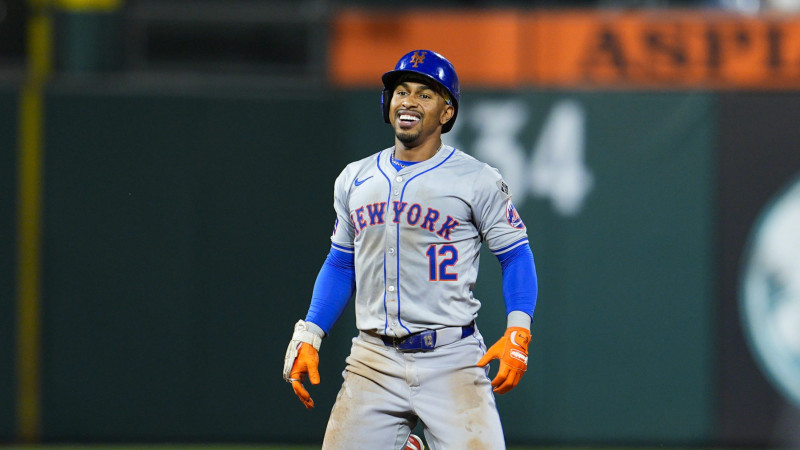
point(513, 216)
point(417, 58)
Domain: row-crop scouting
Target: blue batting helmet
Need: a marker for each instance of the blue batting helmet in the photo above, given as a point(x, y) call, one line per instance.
point(430, 65)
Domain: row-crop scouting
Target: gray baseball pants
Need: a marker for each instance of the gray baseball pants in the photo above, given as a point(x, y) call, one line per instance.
point(386, 391)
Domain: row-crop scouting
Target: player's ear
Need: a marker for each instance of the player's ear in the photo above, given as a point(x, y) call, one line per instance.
point(447, 114)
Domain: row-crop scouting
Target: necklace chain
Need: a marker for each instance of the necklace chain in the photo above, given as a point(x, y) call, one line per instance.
point(397, 162)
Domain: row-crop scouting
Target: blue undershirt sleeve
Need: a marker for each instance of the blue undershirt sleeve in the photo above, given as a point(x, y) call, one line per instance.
point(335, 284)
point(520, 285)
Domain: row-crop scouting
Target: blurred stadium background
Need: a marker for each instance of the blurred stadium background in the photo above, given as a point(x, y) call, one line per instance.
point(166, 172)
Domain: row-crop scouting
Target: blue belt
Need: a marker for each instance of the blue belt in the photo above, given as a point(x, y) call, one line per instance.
point(429, 339)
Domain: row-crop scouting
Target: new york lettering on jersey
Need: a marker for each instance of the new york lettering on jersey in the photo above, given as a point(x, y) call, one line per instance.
point(374, 214)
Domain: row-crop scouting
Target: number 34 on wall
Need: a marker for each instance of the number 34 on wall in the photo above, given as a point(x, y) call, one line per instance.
point(554, 170)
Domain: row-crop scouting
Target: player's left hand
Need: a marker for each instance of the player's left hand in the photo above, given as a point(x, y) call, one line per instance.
point(301, 361)
point(307, 363)
point(512, 351)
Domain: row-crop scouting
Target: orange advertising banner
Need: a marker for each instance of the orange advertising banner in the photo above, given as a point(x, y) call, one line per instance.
point(580, 48)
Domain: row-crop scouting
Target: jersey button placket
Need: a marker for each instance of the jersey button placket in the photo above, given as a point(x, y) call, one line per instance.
point(392, 268)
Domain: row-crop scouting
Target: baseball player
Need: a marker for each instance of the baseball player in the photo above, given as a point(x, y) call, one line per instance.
point(410, 221)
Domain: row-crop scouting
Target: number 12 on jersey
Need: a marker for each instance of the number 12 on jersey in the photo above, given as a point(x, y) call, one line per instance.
point(437, 267)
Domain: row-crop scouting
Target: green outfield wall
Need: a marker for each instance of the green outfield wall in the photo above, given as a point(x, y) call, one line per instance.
point(8, 189)
point(184, 227)
point(184, 233)
point(184, 230)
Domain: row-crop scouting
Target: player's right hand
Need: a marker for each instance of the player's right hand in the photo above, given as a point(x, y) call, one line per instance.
point(512, 351)
point(302, 361)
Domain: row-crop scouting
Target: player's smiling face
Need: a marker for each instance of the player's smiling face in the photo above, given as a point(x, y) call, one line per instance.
point(417, 112)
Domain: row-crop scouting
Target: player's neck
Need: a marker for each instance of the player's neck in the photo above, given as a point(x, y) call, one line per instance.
point(422, 152)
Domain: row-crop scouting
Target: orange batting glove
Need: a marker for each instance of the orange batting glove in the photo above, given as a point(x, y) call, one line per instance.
point(302, 361)
point(512, 351)
point(306, 365)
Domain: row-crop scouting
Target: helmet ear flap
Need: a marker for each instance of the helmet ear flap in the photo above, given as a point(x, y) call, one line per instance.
point(386, 99)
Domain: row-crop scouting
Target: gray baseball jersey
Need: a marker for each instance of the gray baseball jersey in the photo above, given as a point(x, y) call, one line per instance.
point(416, 234)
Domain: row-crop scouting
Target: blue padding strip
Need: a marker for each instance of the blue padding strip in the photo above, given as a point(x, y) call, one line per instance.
point(335, 285)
